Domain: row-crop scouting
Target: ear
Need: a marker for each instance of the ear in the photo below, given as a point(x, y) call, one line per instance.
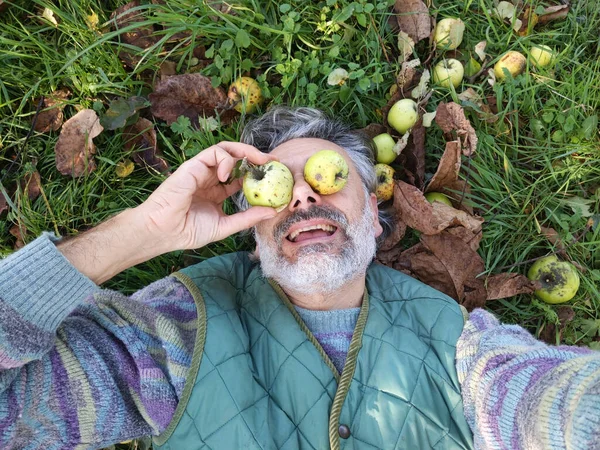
point(375, 209)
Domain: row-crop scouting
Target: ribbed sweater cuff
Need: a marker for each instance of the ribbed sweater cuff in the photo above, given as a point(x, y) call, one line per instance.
point(41, 284)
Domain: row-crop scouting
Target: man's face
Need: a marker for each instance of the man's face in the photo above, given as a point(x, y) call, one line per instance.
point(318, 242)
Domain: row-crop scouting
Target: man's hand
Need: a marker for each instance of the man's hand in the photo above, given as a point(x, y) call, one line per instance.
point(185, 211)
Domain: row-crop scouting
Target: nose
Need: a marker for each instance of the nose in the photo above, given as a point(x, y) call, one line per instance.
point(303, 195)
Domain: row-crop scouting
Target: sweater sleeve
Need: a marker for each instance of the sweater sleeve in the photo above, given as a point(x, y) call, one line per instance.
point(82, 366)
point(520, 393)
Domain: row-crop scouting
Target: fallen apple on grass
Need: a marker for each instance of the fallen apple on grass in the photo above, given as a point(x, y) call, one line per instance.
point(245, 94)
point(448, 33)
point(541, 55)
point(448, 72)
point(270, 184)
point(513, 61)
point(438, 197)
point(403, 115)
point(559, 279)
point(326, 171)
point(385, 182)
point(384, 145)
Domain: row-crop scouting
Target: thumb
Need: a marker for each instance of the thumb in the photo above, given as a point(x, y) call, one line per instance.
point(234, 223)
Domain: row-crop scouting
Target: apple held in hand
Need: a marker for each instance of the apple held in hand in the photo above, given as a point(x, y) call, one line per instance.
point(559, 279)
point(384, 144)
point(269, 185)
point(326, 171)
point(512, 61)
point(448, 33)
point(448, 72)
point(385, 182)
point(403, 115)
point(245, 94)
point(541, 55)
point(438, 197)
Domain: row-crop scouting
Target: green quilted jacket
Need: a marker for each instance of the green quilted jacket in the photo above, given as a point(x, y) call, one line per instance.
point(260, 380)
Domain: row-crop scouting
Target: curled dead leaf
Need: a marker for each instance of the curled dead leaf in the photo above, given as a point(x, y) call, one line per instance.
point(31, 183)
point(75, 149)
point(190, 95)
point(504, 285)
point(413, 18)
point(3, 5)
point(19, 232)
point(373, 129)
point(140, 138)
point(51, 116)
point(448, 168)
point(557, 12)
point(396, 235)
point(451, 117)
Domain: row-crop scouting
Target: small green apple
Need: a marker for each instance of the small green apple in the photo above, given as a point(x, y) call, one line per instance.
point(559, 279)
point(438, 197)
point(448, 72)
point(448, 33)
point(245, 94)
point(541, 55)
point(512, 61)
point(385, 182)
point(270, 184)
point(384, 144)
point(326, 171)
point(403, 115)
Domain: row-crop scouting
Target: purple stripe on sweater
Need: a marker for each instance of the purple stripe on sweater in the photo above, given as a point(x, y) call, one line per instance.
point(60, 383)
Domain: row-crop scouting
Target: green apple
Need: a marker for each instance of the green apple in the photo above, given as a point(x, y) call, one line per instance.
point(448, 72)
point(245, 94)
point(559, 279)
point(326, 171)
point(541, 55)
point(385, 182)
point(403, 115)
point(438, 197)
point(448, 33)
point(270, 184)
point(384, 144)
point(512, 61)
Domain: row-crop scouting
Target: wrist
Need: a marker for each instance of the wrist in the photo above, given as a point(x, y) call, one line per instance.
point(112, 247)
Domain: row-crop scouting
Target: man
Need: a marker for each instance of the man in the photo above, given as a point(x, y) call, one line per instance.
point(314, 346)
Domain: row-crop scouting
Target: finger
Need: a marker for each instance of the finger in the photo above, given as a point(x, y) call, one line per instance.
point(235, 223)
point(236, 150)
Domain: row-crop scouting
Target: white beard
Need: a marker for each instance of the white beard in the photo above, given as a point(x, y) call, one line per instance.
point(316, 269)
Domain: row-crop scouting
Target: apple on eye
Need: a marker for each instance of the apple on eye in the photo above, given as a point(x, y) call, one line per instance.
point(326, 172)
point(270, 184)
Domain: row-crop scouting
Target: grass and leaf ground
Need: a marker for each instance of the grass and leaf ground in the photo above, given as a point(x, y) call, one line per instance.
point(537, 167)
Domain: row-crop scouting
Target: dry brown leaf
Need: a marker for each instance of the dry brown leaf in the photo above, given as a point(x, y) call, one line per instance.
point(412, 157)
point(190, 95)
point(75, 149)
point(3, 6)
point(18, 232)
point(429, 218)
point(448, 168)
point(167, 68)
point(504, 285)
point(470, 237)
point(140, 138)
point(451, 117)
point(481, 108)
point(529, 19)
point(373, 129)
point(51, 117)
point(552, 235)
point(3, 203)
point(396, 235)
point(31, 183)
point(413, 18)
point(551, 13)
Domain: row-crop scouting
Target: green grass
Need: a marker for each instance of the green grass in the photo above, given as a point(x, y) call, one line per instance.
point(520, 180)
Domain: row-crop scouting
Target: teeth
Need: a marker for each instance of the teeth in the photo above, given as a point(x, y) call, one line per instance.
point(295, 234)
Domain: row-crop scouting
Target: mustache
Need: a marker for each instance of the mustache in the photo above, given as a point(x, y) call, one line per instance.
point(314, 212)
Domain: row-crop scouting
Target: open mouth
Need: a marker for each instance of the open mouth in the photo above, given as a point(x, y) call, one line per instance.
point(310, 232)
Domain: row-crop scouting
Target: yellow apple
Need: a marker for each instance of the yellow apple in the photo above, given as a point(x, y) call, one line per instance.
point(384, 144)
point(245, 94)
point(559, 279)
point(438, 197)
point(326, 171)
point(403, 115)
point(448, 72)
point(448, 33)
point(270, 184)
point(512, 61)
point(385, 182)
point(541, 55)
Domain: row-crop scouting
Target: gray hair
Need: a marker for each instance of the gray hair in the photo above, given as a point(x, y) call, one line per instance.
point(282, 123)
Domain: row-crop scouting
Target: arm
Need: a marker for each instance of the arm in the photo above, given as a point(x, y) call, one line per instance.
point(80, 365)
point(522, 393)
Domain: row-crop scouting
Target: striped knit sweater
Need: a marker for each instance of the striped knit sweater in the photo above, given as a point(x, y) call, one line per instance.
point(82, 367)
